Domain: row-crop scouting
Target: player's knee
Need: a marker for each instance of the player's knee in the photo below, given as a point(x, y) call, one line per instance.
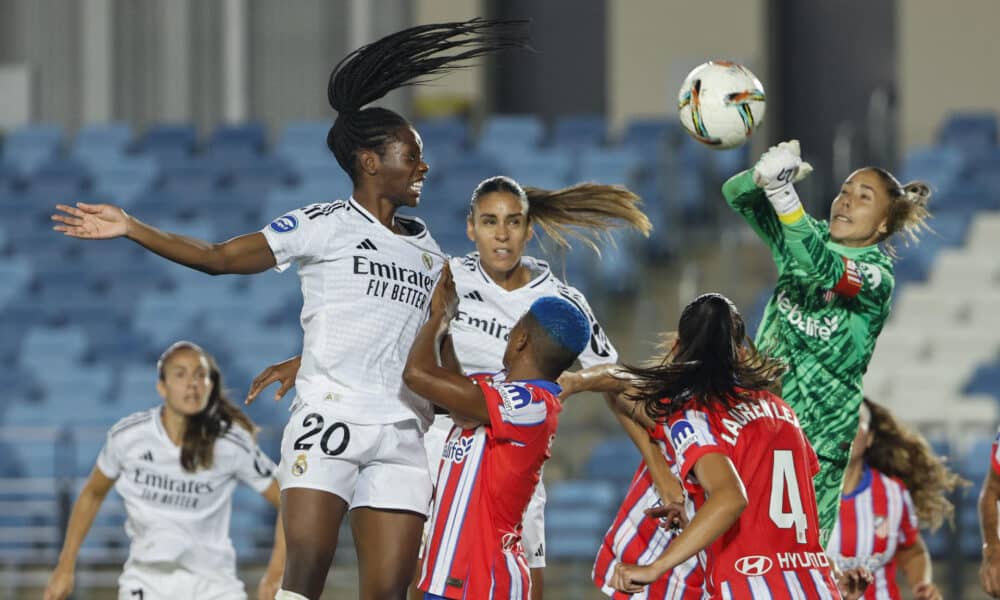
point(386, 588)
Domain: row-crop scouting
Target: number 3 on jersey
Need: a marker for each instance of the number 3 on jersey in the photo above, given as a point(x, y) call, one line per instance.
point(784, 482)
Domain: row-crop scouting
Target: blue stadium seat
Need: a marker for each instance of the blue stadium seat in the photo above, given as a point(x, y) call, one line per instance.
point(649, 135)
point(168, 142)
point(613, 460)
point(970, 132)
point(241, 140)
point(941, 166)
point(578, 131)
point(30, 146)
point(583, 493)
point(102, 143)
point(304, 133)
point(15, 273)
point(46, 349)
point(510, 133)
point(985, 380)
point(125, 180)
point(615, 166)
point(548, 169)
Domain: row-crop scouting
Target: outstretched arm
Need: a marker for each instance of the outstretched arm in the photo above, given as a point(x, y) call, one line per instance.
point(441, 385)
point(241, 255)
point(84, 510)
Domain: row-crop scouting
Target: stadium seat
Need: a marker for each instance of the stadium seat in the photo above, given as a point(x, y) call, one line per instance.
point(614, 460)
point(616, 166)
point(501, 134)
point(168, 142)
point(30, 146)
point(970, 132)
point(573, 132)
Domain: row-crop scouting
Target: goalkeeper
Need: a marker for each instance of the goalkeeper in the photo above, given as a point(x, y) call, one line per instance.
point(835, 282)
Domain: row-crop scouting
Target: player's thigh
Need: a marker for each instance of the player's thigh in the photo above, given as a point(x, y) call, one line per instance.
point(396, 477)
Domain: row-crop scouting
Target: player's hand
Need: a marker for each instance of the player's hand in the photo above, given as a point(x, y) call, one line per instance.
point(91, 221)
point(283, 373)
point(60, 584)
point(926, 591)
point(776, 171)
point(672, 515)
point(989, 571)
point(569, 383)
point(632, 578)
point(444, 302)
point(269, 585)
point(853, 582)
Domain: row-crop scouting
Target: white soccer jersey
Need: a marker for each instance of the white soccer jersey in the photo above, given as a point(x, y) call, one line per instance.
point(174, 516)
point(487, 312)
point(366, 291)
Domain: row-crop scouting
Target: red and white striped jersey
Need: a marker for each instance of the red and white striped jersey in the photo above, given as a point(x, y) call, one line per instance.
point(876, 519)
point(634, 538)
point(485, 481)
point(772, 552)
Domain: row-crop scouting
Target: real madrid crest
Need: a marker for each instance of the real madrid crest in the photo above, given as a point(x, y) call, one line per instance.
point(300, 466)
point(428, 261)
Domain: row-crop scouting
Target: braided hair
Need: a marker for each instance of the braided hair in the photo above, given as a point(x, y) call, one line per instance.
point(404, 58)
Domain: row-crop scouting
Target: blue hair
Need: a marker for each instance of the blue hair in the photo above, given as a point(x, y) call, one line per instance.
point(563, 321)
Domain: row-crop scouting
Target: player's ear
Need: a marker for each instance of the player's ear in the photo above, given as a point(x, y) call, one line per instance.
point(520, 338)
point(161, 389)
point(369, 162)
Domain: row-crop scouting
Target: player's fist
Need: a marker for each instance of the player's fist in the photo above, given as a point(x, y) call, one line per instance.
point(91, 221)
point(776, 171)
point(60, 584)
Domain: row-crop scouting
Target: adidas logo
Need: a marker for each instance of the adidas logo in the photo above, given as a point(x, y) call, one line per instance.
point(473, 295)
point(366, 245)
point(147, 456)
point(540, 552)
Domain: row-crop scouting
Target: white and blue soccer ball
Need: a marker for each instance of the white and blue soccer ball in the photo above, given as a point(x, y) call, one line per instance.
point(721, 104)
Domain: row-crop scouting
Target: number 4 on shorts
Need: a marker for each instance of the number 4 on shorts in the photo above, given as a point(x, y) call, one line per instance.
point(783, 480)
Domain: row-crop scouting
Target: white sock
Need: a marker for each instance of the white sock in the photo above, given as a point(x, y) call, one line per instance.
point(286, 595)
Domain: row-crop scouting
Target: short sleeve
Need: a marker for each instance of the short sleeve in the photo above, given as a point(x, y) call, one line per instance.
point(109, 460)
point(909, 530)
point(516, 412)
point(691, 437)
point(253, 467)
point(300, 234)
point(995, 455)
point(600, 350)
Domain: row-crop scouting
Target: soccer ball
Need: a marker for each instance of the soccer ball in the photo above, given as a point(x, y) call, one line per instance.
point(721, 103)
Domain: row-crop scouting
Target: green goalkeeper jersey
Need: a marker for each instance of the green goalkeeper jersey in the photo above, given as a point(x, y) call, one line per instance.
point(828, 308)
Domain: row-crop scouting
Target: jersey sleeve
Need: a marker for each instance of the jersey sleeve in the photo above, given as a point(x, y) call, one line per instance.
point(516, 412)
point(298, 235)
point(743, 196)
point(691, 437)
point(995, 454)
point(109, 459)
point(600, 349)
point(872, 283)
point(909, 529)
point(253, 466)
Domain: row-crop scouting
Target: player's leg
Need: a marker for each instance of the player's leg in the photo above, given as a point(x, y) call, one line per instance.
point(391, 501)
point(387, 542)
point(829, 483)
point(311, 519)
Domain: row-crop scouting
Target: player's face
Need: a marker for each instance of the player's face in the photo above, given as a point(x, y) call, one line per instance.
point(186, 384)
point(860, 211)
point(499, 227)
point(402, 168)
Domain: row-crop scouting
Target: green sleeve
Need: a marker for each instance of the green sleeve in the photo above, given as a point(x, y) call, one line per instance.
point(871, 282)
point(743, 195)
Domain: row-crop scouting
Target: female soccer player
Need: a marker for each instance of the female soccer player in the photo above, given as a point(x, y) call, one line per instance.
point(833, 293)
point(355, 437)
point(893, 482)
point(176, 467)
point(505, 424)
point(742, 456)
point(497, 284)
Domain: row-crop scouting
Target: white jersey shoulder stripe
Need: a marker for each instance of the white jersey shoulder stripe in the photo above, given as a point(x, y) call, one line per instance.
point(131, 421)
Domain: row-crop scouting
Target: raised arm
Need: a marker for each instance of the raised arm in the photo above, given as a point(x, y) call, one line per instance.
point(441, 385)
point(241, 255)
point(84, 510)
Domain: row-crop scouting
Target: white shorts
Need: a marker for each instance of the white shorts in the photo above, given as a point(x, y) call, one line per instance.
point(167, 582)
point(533, 534)
point(377, 466)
